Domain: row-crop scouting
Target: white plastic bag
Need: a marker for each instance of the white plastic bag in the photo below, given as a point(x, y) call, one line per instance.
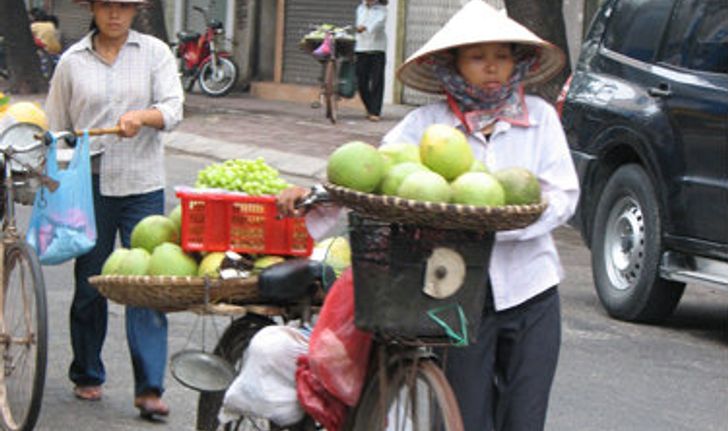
point(266, 385)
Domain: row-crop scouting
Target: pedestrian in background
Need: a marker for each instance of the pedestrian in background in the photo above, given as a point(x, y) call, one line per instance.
point(45, 28)
point(371, 44)
point(480, 61)
point(115, 75)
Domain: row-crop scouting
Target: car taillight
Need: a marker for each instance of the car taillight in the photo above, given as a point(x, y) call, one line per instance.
point(562, 95)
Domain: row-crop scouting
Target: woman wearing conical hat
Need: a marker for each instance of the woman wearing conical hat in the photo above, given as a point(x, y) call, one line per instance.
point(480, 60)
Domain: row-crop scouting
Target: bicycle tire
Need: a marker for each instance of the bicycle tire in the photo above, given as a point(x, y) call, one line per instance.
point(330, 90)
point(211, 85)
point(230, 347)
point(23, 343)
point(374, 411)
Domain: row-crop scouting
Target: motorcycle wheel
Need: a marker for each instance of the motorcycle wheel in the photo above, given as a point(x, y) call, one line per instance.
point(220, 83)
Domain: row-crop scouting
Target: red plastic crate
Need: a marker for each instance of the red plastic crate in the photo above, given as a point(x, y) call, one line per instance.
point(218, 221)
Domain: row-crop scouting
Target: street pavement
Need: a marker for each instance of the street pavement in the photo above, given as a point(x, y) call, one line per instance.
point(292, 137)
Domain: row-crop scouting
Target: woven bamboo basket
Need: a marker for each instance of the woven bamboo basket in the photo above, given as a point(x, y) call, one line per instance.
point(168, 294)
point(439, 215)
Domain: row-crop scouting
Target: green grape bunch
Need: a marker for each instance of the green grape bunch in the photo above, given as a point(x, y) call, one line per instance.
point(253, 177)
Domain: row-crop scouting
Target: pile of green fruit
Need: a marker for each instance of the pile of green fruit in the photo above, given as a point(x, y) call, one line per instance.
point(441, 169)
point(318, 34)
point(155, 251)
point(253, 177)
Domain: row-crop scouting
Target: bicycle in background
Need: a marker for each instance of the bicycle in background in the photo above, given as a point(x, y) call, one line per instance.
point(333, 47)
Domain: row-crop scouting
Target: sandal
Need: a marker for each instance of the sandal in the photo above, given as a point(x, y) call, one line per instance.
point(150, 406)
point(88, 393)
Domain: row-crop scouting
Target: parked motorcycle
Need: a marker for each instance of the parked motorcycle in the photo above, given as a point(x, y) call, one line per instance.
point(201, 59)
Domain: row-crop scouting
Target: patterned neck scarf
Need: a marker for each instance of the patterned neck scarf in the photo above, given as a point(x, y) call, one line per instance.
point(477, 107)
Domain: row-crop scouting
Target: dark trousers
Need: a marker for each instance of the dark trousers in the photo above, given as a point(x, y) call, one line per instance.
point(146, 329)
point(503, 381)
point(370, 80)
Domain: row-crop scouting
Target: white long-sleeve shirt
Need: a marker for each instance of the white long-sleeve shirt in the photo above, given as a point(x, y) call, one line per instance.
point(374, 19)
point(524, 262)
point(87, 92)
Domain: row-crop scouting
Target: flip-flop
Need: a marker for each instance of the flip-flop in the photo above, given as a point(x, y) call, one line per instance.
point(88, 393)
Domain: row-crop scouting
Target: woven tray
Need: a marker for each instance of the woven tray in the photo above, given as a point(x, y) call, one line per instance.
point(439, 215)
point(174, 293)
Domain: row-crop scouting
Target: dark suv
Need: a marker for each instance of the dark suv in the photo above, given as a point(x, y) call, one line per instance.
point(646, 117)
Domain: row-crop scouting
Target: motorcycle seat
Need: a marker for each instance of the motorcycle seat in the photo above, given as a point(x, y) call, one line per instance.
point(186, 36)
point(290, 281)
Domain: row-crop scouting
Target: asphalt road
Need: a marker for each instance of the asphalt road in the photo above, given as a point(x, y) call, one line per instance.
point(612, 375)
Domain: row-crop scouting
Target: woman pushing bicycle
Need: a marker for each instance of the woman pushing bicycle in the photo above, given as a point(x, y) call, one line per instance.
point(481, 60)
point(115, 75)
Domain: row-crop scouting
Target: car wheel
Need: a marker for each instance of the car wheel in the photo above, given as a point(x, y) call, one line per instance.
point(626, 250)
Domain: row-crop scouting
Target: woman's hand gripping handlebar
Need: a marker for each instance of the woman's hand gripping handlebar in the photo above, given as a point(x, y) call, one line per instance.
point(295, 201)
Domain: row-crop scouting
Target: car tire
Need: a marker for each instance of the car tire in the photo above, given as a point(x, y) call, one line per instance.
point(626, 250)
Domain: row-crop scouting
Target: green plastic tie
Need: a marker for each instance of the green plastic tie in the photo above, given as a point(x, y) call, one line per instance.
point(459, 340)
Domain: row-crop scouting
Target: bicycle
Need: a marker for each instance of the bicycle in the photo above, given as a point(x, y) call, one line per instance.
point(405, 386)
point(24, 315)
point(335, 48)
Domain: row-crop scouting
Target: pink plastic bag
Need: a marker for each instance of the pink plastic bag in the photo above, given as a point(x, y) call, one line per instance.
point(338, 352)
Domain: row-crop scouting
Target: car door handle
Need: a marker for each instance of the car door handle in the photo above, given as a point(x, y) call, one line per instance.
point(662, 90)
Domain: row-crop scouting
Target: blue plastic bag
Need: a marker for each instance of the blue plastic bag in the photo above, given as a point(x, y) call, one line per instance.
point(62, 225)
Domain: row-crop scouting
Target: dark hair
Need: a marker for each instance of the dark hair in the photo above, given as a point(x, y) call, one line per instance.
point(38, 14)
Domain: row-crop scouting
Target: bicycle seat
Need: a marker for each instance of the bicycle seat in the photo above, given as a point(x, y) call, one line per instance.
point(294, 279)
point(186, 36)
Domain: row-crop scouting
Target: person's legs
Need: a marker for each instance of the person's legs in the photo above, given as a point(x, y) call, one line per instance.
point(469, 371)
point(528, 351)
point(88, 316)
point(146, 329)
point(363, 66)
point(376, 95)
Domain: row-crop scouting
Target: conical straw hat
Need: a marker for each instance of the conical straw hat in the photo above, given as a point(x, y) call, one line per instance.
point(478, 22)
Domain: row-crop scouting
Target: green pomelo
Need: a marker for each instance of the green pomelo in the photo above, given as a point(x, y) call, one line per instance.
point(152, 231)
point(111, 265)
point(210, 264)
point(477, 188)
point(265, 261)
point(478, 166)
point(400, 152)
point(520, 185)
point(334, 251)
point(356, 165)
point(425, 186)
point(135, 262)
point(170, 259)
point(396, 174)
point(445, 150)
point(176, 216)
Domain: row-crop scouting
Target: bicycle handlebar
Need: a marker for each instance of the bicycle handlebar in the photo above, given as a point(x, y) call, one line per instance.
point(70, 136)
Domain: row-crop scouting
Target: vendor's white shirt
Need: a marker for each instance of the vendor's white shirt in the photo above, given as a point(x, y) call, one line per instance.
point(524, 262)
point(373, 18)
point(87, 92)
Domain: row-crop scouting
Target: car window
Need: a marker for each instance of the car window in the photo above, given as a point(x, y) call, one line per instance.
point(697, 37)
point(635, 27)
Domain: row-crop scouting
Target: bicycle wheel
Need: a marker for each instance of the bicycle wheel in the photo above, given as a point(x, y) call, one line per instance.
point(230, 347)
point(413, 398)
point(219, 82)
point(23, 332)
point(330, 90)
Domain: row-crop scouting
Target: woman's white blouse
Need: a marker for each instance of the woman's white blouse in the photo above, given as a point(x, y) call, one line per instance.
point(524, 262)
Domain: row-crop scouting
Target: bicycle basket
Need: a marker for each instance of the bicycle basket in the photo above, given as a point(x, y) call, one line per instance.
point(392, 265)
